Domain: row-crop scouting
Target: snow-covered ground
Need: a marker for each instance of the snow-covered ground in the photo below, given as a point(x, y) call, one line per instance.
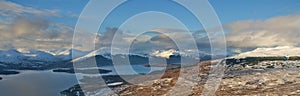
point(267, 52)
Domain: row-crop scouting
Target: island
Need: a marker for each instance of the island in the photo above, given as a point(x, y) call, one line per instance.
point(8, 72)
point(84, 71)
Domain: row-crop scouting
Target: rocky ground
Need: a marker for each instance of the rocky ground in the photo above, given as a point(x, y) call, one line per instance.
point(262, 78)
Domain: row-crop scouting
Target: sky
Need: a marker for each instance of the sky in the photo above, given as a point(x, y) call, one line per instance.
point(247, 24)
point(228, 11)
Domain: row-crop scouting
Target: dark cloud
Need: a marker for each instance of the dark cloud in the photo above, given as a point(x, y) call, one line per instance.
point(110, 33)
point(35, 32)
point(164, 41)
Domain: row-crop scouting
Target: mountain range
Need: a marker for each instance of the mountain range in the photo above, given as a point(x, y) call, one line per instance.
point(30, 58)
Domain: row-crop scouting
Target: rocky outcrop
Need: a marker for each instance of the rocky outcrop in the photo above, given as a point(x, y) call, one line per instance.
point(268, 82)
point(255, 79)
point(261, 78)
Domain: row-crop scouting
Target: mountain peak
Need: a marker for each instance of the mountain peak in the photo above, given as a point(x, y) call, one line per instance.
point(164, 53)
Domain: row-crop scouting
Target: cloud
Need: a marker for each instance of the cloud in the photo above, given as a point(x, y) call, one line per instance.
point(187, 39)
point(167, 30)
point(143, 43)
point(24, 26)
point(164, 41)
point(276, 31)
point(12, 9)
point(36, 33)
point(105, 38)
point(247, 34)
point(27, 27)
point(110, 33)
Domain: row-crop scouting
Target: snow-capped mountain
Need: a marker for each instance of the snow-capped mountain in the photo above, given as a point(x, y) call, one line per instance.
point(37, 55)
point(106, 53)
point(185, 53)
point(17, 56)
point(265, 52)
point(164, 53)
point(21, 55)
point(11, 56)
point(70, 54)
point(103, 52)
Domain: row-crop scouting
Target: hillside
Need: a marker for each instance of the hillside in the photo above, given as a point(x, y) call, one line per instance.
point(271, 52)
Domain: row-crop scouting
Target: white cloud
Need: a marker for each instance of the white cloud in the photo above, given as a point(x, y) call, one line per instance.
point(276, 31)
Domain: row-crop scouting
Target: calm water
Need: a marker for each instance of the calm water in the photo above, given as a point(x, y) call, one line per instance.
point(36, 83)
point(48, 83)
point(130, 70)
